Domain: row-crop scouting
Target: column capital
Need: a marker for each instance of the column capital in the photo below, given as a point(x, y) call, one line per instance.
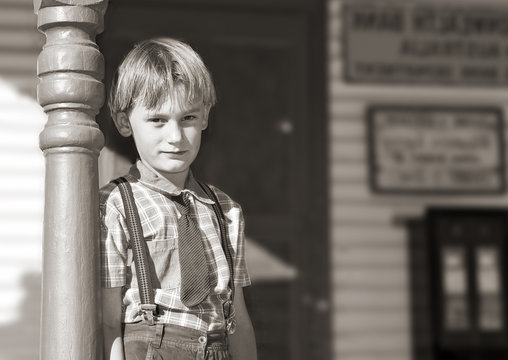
point(71, 68)
point(99, 5)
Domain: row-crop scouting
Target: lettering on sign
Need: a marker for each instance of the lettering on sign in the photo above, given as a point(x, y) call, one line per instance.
point(428, 149)
point(422, 43)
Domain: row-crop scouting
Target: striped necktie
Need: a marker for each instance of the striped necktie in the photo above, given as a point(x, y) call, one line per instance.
point(195, 282)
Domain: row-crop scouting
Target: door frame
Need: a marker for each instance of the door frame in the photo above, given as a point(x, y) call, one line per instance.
point(312, 292)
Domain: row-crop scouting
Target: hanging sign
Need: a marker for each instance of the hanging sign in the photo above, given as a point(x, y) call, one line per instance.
point(450, 150)
point(422, 43)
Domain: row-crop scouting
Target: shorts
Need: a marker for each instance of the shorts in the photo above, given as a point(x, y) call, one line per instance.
point(171, 342)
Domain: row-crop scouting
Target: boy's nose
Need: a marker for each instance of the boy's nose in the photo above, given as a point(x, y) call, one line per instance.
point(173, 132)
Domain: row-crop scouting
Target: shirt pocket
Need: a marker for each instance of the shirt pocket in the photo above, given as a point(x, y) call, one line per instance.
point(164, 263)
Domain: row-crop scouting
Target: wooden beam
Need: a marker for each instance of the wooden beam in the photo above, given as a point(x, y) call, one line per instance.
point(71, 69)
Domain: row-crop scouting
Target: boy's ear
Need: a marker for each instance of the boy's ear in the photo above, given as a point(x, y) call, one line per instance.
point(122, 123)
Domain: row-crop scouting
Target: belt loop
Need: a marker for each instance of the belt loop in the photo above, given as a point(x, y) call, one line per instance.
point(159, 332)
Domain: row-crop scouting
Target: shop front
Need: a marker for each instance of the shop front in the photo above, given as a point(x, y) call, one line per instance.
point(418, 174)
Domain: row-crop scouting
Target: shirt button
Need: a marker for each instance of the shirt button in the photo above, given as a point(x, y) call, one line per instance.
point(202, 339)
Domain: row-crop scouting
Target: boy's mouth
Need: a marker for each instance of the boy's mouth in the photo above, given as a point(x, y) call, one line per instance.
point(175, 152)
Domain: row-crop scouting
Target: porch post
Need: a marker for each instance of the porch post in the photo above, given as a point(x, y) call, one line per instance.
point(70, 68)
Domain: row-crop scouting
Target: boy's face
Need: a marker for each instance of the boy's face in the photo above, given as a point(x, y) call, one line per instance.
point(167, 139)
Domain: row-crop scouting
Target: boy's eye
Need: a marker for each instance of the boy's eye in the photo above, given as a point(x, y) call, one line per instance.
point(189, 117)
point(155, 120)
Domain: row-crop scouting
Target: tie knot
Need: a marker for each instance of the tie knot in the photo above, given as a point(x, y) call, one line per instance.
point(182, 203)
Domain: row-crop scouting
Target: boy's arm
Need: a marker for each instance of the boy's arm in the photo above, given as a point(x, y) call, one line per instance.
point(112, 323)
point(242, 342)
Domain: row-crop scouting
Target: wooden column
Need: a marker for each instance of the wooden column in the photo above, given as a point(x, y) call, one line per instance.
point(70, 68)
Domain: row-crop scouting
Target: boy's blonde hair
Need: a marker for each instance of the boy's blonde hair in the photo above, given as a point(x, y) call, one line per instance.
point(159, 69)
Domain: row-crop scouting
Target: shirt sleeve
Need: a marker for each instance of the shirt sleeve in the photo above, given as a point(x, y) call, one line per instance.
point(241, 273)
point(113, 242)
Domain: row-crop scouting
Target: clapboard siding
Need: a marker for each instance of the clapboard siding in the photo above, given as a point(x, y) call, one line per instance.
point(384, 235)
point(372, 300)
point(21, 181)
point(20, 44)
point(368, 256)
point(378, 342)
point(21, 211)
point(369, 277)
point(19, 40)
point(17, 63)
point(373, 213)
point(368, 299)
point(370, 323)
point(17, 16)
point(358, 193)
point(404, 94)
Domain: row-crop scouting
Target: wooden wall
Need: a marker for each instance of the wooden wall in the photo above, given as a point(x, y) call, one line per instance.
point(21, 182)
point(20, 44)
point(369, 241)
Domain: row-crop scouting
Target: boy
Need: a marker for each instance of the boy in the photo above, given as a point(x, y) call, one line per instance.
point(162, 97)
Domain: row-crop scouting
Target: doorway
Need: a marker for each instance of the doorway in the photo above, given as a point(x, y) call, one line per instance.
point(458, 284)
point(265, 147)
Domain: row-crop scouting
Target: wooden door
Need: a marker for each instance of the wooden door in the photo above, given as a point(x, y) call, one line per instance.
point(264, 147)
point(469, 278)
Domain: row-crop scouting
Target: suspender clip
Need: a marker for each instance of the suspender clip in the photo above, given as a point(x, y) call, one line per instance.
point(229, 316)
point(149, 313)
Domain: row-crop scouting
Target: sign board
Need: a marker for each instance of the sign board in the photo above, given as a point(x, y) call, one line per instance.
point(422, 43)
point(430, 149)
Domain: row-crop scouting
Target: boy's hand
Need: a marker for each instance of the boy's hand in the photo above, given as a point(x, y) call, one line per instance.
point(243, 341)
point(112, 323)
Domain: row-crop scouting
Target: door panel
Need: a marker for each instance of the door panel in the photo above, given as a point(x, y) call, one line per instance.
point(468, 282)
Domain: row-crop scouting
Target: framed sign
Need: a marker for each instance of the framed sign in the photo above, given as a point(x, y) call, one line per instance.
point(425, 43)
point(436, 150)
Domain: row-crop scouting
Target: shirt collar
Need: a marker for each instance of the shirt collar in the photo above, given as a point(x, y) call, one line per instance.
point(157, 182)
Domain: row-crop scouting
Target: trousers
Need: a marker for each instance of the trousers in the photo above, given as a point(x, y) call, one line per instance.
point(172, 342)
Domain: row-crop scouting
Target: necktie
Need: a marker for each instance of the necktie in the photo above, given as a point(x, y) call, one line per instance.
point(195, 282)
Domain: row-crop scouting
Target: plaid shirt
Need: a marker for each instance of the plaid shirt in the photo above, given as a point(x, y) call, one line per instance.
point(158, 215)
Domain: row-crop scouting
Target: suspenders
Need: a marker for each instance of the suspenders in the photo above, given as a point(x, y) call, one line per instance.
point(139, 251)
point(226, 247)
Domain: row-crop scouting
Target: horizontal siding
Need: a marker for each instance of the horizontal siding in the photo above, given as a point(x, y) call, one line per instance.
point(21, 182)
point(28, 5)
point(387, 343)
point(13, 62)
point(17, 15)
point(20, 40)
point(369, 299)
point(25, 82)
point(357, 256)
point(373, 214)
point(392, 277)
point(348, 172)
point(384, 235)
point(20, 44)
point(31, 253)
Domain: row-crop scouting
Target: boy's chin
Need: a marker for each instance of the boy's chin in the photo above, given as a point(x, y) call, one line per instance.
point(172, 170)
point(171, 167)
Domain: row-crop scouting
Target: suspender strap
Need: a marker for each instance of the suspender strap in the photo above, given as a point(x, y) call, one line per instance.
point(139, 250)
point(226, 246)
